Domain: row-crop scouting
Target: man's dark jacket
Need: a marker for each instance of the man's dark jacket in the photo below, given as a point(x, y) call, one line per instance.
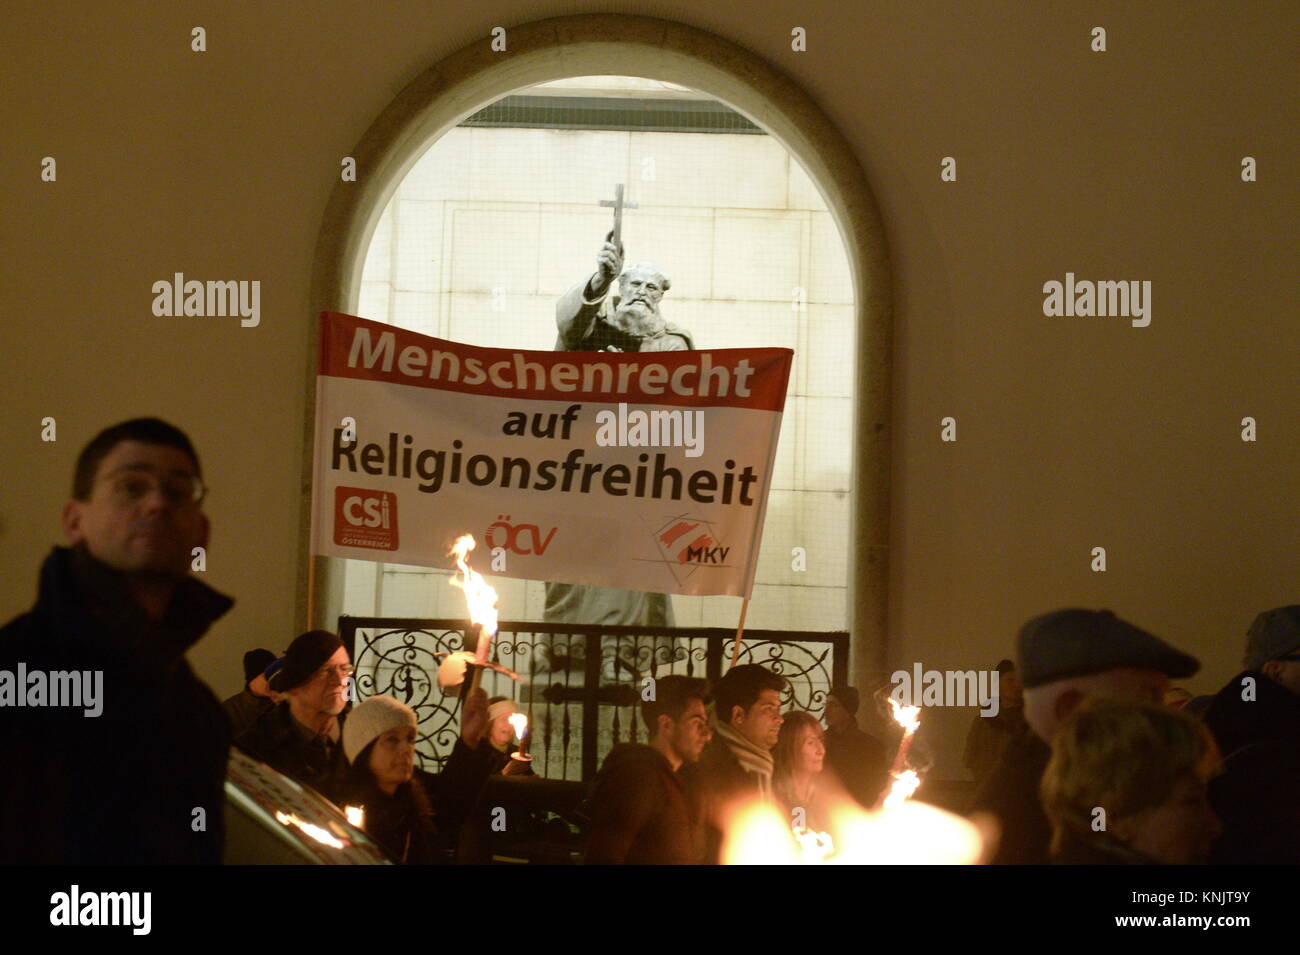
point(640, 812)
point(1257, 793)
point(244, 709)
point(1011, 794)
point(858, 759)
point(122, 787)
point(276, 740)
point(715, 784)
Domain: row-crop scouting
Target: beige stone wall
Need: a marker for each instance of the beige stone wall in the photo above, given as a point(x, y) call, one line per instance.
point(493, 224)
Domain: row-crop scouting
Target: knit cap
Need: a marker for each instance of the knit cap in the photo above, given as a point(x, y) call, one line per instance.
point(370, 720)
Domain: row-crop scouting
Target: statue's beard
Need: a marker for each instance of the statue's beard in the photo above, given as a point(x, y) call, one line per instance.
point(639, 319)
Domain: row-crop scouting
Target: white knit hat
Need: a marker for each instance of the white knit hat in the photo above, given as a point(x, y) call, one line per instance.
point(372, 719)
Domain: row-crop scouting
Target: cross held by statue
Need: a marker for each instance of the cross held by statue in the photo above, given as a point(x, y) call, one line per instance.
point(618, 205)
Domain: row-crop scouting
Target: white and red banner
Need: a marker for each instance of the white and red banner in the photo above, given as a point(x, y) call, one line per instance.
point(640, 471)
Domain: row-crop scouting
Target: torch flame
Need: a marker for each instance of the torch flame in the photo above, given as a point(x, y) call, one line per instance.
point(912, 833)
point(814, 847)
point(520, 722)
point(908, 717)
point(356, 815)
point(481, 598)
point(905, 782)
point(756, 834)
point(316, 832)
point(903, 786)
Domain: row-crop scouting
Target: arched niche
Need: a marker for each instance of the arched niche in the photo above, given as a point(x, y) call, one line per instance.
point(612, 44)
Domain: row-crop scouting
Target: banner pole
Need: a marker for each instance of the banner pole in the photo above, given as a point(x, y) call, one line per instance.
point(740, 629)
point(311, 592)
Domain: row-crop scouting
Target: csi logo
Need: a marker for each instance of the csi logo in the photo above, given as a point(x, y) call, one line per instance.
point(365, 518)
point(523, 539)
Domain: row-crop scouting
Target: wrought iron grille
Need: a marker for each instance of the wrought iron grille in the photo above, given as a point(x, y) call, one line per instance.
point(581, 684)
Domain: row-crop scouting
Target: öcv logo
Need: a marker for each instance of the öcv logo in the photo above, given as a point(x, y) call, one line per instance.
point(365, 518)
point(525, 539)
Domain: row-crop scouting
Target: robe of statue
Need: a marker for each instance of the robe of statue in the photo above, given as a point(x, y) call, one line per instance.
point(590, 326)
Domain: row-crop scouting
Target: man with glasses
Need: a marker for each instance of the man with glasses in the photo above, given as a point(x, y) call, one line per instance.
point(301, 736)
point(1255, 719)
point(138, 776)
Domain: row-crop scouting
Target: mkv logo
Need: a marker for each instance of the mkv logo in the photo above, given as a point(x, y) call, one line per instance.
point(365, 518)
point(687, 544)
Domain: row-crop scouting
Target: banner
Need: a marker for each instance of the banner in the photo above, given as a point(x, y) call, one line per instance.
point(639, 471)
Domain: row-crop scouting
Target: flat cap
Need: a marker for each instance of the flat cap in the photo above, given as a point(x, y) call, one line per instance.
point(1275, 633)
point(1070, 643)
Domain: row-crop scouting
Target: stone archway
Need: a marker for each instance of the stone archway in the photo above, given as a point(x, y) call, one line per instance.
point(563, 47)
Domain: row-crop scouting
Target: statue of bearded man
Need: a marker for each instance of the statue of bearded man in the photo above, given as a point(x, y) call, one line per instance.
point(590, 319)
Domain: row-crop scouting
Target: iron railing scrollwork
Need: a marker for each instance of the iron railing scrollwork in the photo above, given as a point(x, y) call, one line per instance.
point(581, 684)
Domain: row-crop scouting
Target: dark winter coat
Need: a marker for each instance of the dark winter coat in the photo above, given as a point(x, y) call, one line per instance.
point(858, 760)
point(1100, 850)
point(278, 741)
point(401, 823)
point(456, 789)
point(988, 737)
point(1011, 794)
point(715, 784)
point(244, 709)
point(1257, 794)
point(143, 783)
point(640, 812)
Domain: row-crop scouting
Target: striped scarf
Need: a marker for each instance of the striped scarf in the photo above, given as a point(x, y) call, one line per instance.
point(753, 760)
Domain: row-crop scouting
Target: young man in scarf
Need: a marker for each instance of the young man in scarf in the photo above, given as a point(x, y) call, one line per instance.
point(736, 766)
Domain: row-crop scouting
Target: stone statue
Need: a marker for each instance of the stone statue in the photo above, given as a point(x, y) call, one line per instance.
point(591, 319)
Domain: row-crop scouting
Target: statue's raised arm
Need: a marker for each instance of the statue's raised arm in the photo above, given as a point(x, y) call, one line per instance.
point(589, 318)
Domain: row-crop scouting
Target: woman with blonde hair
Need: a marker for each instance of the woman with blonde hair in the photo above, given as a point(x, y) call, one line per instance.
point(797, 780)
point(1126, 785)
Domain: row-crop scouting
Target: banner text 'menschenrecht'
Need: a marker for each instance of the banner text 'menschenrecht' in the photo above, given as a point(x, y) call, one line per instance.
point(649, 378)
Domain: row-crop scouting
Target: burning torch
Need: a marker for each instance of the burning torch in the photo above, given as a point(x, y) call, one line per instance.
point(520, 762)
point(482, 602)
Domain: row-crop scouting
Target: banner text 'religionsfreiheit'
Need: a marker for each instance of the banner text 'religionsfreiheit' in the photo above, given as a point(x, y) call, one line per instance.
point(436, 468)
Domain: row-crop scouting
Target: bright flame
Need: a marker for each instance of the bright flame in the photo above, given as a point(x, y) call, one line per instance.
point(757, 835)
point(904, 785)
point(481, 599)
point(908, 717)
point(814, 847)
point(905, 781)
point(356, 815)
point(913, 833)
point(520, 722)
point(316, 832)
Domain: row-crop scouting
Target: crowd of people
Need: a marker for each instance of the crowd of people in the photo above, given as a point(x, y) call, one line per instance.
point(1093, 756)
